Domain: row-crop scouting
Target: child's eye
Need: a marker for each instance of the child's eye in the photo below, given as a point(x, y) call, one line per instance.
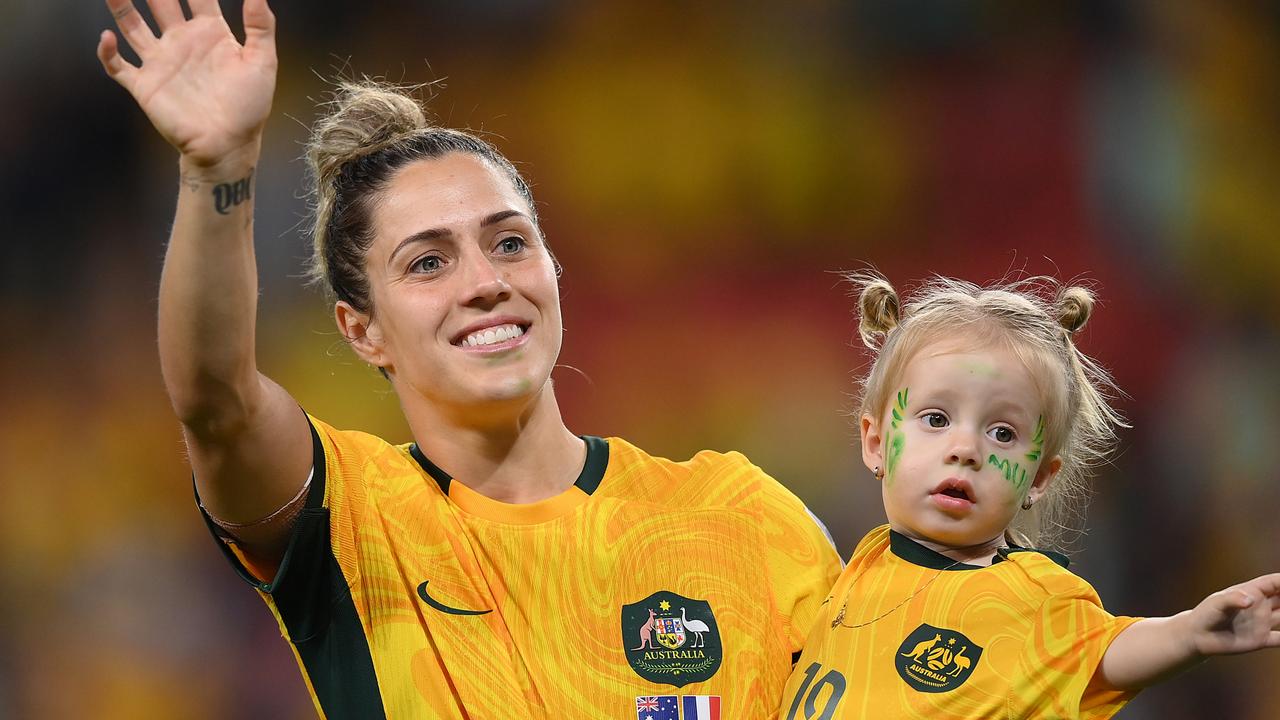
point(1002, 434)
point(936, 420)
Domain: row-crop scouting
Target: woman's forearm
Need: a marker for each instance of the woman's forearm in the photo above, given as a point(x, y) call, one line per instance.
point(208, 296)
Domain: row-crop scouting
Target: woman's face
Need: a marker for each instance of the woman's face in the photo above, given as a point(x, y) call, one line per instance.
point(466, 311)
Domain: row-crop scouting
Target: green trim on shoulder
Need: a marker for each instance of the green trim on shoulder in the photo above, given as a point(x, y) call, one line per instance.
point(315, 606)
point(1056, 557)
point(315, 499)
point(324, 625)
point(917, 554)
point(597, 461)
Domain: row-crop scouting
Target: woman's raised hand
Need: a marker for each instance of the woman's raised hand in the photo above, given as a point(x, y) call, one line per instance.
point(207, 94)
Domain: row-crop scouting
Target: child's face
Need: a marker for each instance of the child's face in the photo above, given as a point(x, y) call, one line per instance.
point(960, 445)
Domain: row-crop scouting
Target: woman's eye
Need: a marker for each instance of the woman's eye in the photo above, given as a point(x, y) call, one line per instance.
point(511, 245)
point(936, 420)
point(427, 263)
point(1003, 434)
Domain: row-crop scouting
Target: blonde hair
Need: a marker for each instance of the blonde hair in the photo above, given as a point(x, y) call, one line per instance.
point(369, 131)
point(1036, 319)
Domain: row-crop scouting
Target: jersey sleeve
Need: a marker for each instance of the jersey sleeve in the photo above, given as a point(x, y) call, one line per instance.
point(1062, 653)
point(323, 533)
point(803, 563)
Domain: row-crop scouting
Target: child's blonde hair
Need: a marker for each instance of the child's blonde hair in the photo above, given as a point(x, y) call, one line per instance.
point(1035, 318)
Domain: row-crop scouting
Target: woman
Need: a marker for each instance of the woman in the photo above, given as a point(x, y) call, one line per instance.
point(557, 575)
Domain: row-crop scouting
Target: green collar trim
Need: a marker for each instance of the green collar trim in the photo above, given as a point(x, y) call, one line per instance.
point(1057, 557)
point(917, 554)
point(588, 480)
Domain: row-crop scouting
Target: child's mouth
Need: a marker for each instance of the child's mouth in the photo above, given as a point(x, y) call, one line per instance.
point(953, 494)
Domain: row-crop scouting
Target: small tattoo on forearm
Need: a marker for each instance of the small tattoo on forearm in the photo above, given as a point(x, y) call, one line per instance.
point(228, 195)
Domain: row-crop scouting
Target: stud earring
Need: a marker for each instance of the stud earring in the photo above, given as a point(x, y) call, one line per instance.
point(1027, 502)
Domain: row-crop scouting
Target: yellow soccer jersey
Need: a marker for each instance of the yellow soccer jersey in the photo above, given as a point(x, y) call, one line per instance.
point(405, 594)
point(906, 633)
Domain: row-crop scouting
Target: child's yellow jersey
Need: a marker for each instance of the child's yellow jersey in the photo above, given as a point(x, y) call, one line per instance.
point(407, 595)
point(908, 633)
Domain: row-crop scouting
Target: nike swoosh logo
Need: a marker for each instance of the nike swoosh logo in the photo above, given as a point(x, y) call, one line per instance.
point(422, 593)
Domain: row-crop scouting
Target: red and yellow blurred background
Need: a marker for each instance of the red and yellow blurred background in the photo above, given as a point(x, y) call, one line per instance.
point(702, 173)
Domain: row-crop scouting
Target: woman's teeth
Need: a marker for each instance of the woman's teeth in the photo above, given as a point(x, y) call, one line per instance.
point(492, 336)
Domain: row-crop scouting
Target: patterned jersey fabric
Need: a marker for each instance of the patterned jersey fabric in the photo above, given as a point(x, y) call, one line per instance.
point(909, 633)
point(406, 594)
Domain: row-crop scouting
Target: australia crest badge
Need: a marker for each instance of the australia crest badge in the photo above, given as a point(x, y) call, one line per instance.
point(671, 639)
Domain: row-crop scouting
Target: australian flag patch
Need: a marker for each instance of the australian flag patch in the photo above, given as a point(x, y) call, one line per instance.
point(657, 707)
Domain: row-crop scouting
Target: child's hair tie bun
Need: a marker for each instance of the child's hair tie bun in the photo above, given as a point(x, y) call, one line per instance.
point(878, 307)
point(1074, 306)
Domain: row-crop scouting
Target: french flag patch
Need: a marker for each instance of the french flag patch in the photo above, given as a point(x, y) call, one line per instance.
point(701, 707)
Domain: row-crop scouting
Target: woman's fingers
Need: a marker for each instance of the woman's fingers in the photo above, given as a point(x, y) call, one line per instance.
point(259, 27)
point(204, 7)
point(135, 30)
point(167, 13)
point(115, 65)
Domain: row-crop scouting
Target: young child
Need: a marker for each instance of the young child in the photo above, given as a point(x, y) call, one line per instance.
point(980, 419)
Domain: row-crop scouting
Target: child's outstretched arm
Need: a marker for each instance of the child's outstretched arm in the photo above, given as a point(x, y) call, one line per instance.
point(1240, 619)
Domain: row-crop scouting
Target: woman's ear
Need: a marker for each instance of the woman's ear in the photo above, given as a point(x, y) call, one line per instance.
point(872, 445)
point(364, 337)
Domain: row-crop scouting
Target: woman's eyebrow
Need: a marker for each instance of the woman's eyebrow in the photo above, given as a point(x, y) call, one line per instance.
point(500, 216)
point(420, 236)
point(442, 233)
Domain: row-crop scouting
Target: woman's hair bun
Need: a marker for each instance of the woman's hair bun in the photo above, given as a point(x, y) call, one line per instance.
point(1074, 306)
point(363, 117)
point(878, 308)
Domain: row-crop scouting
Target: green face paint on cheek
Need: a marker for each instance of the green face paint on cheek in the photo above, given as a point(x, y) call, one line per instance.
point(1037, 442)
point(895, 439)
point(1013, 473)
point(895, 453)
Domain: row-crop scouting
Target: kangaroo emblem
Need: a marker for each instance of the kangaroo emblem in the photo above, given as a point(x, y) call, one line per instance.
point(646, 634)
point(936, 660)
point(922, 648)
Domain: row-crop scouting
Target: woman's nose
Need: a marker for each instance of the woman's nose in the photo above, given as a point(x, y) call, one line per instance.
point(485, 284)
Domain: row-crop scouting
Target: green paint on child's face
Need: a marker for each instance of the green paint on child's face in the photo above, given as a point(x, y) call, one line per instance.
point(1013, 473)
point(979, 367)
point(900, 407)
point(896, 443)
point(895, 439)
point(1037, 442)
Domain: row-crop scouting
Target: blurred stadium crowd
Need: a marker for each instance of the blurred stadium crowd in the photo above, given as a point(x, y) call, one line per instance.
point(701, 169)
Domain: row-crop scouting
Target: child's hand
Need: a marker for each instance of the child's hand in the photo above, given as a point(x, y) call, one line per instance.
point(1240, 619)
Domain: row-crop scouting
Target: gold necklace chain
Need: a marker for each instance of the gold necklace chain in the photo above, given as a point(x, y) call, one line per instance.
point(839, 619)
